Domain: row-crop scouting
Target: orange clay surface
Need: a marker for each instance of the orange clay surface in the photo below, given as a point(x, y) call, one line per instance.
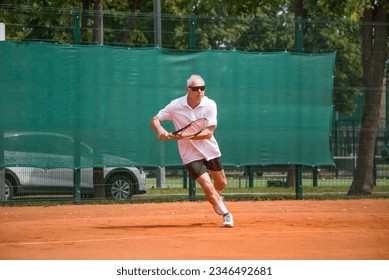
point(269, 230)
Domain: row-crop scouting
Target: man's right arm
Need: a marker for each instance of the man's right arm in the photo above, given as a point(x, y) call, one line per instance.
point(158, 128)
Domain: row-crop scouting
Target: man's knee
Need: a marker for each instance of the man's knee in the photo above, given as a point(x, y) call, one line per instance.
point(221, 184)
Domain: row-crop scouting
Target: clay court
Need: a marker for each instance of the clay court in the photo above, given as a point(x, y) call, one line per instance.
point(264, 230)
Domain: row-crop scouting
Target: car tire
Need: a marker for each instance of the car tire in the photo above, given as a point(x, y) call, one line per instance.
point(9, 190)
point(120, 187)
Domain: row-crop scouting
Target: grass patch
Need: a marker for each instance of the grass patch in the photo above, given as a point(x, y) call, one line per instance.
point(237, 190)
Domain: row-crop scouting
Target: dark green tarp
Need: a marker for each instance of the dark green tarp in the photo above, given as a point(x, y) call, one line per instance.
point(82, 106)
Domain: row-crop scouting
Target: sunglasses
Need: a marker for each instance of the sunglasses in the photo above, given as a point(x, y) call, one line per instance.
point(202, 88)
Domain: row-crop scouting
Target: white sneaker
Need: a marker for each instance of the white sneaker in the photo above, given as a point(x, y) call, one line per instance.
point(228, 220)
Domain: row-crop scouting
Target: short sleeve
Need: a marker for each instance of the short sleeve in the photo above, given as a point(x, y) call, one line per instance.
point(211, 113)
point(165, 113)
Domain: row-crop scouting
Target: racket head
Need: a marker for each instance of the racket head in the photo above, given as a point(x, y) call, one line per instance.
point(192, 129)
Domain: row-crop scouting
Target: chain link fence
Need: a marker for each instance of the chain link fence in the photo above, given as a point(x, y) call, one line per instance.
point(193, 33)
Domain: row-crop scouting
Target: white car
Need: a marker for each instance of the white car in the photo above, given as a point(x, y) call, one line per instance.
point(55, 149)
point(119, 182)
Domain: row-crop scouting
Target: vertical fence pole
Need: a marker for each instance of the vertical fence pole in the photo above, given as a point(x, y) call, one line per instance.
point(76, 167)
point(157, 23)
point(192, 47)
point(337, 137)
point(299, 35)
point(77, 185)
point(387, 105)
point(102, 26)
point(161, 175)
point(76, 25)
point(192, 30)
point(374, 170)
point(251, 176)
point(299, 48)
point(299, 182)
point(354, 149)
point(77, 149)
point(184, 178)
point(192, 189)
point(315, 175)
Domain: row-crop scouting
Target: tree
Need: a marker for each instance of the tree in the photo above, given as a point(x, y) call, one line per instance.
point(374, 56)
point(126, 35)
point(97, 22)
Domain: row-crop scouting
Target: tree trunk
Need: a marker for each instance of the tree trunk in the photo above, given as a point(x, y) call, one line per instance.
point(97, 22)
point(84, 18)
point(126, 34)
point(374, 50)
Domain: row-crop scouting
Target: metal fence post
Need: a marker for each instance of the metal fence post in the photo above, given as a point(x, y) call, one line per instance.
point(387, 104)
point(299, 182)
point(251, 176)
point(157, 23)
point(299, 34)
point(299, 48)
point(76, 25)
point(192, 30)
point(161, 174)
point(192, 46)
point(192, 189)
point(315, 174)
point(185, 178)
point(77, 185)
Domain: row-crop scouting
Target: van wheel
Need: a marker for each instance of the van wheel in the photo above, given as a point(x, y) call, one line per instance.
point(120, 187)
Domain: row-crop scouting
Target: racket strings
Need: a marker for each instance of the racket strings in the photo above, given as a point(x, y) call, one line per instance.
point(195, 127)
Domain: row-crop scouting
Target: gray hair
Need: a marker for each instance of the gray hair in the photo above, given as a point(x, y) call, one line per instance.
point(193, 77)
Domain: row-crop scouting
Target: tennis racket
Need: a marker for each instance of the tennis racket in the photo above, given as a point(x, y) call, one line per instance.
point(192, 129)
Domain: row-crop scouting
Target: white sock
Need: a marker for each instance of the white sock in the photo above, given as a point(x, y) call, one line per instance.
point(220, 208)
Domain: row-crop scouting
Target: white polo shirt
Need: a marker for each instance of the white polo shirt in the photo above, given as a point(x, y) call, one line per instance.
point(180, 113)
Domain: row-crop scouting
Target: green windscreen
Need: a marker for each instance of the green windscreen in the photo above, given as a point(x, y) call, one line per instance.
point(90, 106)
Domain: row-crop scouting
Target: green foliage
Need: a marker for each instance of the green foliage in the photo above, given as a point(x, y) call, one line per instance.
point(251, 25)
point(137, 39)
point(345, 39)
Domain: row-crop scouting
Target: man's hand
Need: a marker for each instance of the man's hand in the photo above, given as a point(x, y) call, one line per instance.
point(164, 135)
